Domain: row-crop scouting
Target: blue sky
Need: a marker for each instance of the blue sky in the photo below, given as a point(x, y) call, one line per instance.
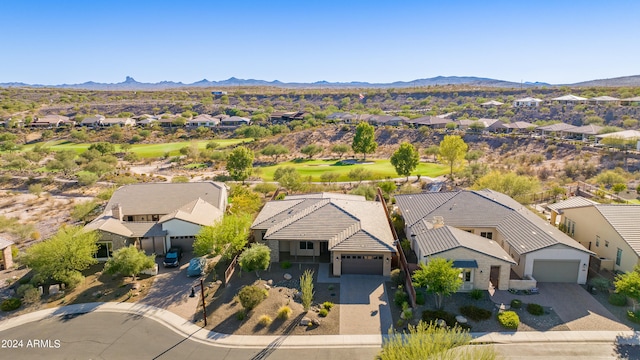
point(54, 42)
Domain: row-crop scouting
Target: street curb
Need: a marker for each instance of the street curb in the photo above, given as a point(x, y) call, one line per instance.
point(194, 332)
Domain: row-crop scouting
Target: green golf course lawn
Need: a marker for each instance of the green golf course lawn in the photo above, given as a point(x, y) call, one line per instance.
point(144, 150)
point(381, 169)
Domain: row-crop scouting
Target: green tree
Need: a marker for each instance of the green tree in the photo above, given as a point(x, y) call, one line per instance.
point(432, 150)
point(512, 184)
point(103, 147)
point(439, 277)
point(129, 261)
point(311, 150)
point(275, 150)
point(364, 141)
point(359, 174)
point(306, 288)
point(340, 149)
point(405, 159)
point(255, 258)
point(226, 237)
point(629, 285)
point(430, 341)
point(239, 163)
point(610, 177)
point(265, 188)
point(288, 177)
point(618, 188)
point(452, 150)
point(329, 177)
point(63, 256)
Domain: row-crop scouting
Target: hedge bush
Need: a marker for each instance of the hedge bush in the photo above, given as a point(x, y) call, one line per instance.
point(476, 294)
point(323, 312)
point(420, 300)
point(397, 277)
point(328, 305)
point(535, 309)
point(475, 313)
point(617, 299)
point(634, 316)
point(516, 304)
point(400, 297)
point(509, 319)
point(10, 304)
point(285, 264)
point(250, 296)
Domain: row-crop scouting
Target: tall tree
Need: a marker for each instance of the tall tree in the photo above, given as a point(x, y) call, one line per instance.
point(226, 237)
point(63, 256)
point(255, 258)
point(629, 285)
point(311, 150)
point(288, 177)
point(452, 151)
point(439, 277)
point(432, 150)
point(129, 261)
point(340, 149)
point(364, 142)
point(405, 159)
point(275, 150)
point(239, 163)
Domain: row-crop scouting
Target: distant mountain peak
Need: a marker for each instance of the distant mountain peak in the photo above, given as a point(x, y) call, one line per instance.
point(130, 80)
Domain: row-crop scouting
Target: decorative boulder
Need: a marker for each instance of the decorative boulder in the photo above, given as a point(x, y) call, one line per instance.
point(441, 323)
point(305, 321)
point(461, 319)
point(270, 282)
point(287, 276)
point(54, 289)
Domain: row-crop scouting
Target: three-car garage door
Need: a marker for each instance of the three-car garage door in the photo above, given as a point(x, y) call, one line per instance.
point(361, 264)
point(564, 271)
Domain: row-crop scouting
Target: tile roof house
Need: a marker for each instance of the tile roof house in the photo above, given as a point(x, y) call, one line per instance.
point(559, 129)
point(434, 122)
point(156, 216)
point(491, 103)
point(612, 231)
point(348, 231)
point(584, 133)
point(527, 102)
point(540, 251)
point(92, 121)
point(52, 121)
point(109, 122)
point(233, 122)
point(389, 120)
point(570, 99)
point(6, 262)
point(604, 100)
point(203, 120)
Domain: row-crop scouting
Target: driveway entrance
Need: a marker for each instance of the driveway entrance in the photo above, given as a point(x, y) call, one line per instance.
point(364, 305)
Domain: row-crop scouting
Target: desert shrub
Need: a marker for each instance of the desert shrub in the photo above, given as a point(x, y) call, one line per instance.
point(516, 304)
point(323, 312)
point(240, 315)
point(10, 304)
point(509, 319)
point(265, 320)
point(31, 296)
point(400, 297)
point(617, 299)
point(285, 264)
point(87, 178)
point(430, 316)
point(407, 313)
point(397, 277)
point(475, 313)
point(328, 305)
point(23, 289)
point(631, 315)
point(284, 312)
point(330, 287)
point(476, 294)
point(420, 299)
point(535, 309)
point(306, 287)
point(250, 296)
point(601, 284)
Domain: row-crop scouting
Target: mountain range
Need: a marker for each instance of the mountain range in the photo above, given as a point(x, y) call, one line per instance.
point(131, 84)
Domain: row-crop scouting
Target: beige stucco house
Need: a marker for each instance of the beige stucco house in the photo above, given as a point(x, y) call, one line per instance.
point(156, 216)
point(535, 251)
point(347, 231)
point(612, 231)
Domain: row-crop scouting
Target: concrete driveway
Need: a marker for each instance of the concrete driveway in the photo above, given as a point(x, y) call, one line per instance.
point(364, 305)
point(171, 289)
point(574, 305)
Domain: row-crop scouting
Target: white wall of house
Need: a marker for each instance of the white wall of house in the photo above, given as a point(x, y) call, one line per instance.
point(556, 252)
point(177, 227)
point(591, 227)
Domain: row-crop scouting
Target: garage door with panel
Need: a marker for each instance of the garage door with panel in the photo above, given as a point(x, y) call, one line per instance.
point(361, 264)
point(185, 242)
point(564, 271)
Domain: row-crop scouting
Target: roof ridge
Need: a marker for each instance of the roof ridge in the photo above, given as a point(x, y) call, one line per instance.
point(345, 233)
point(297, 202)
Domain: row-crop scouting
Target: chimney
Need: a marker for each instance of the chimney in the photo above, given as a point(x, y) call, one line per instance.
point(116, 211)
point(438, 222)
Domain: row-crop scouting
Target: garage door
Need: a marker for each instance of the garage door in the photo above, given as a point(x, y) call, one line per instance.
point(362, 264)
point(565, 271)
point(185, 242)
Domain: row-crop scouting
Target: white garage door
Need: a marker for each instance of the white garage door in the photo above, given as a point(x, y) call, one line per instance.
point(362, 264)
point(564, 271)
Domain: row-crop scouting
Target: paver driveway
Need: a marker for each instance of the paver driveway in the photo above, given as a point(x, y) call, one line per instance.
point(364, 305)
point(171, 289)
point(573, 304)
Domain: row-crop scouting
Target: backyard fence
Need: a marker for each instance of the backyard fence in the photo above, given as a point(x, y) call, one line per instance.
point(228, 273)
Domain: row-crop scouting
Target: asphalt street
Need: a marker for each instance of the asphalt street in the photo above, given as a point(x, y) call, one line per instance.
point(122, 336)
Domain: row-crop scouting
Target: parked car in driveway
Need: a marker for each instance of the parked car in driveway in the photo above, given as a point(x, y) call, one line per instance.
point(172, 257)
point(196, 266)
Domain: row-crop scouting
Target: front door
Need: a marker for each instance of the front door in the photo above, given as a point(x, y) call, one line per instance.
point(494, 276)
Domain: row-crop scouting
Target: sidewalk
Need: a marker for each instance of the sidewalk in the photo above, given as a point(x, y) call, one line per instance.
point(196, 333)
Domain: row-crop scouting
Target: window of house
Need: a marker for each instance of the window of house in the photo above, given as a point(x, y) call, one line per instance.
point(105, 250)
point(306, 245)
point(619, 257)
point(466, 275)
point(488, 235)
point(129, 218)
point(155, 217)
point(597, 240)
point(606, 243)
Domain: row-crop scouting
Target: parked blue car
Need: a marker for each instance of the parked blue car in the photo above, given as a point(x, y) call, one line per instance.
point(196, 266)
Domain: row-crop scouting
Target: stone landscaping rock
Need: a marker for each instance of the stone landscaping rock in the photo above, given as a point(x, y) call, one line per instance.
point(95, 294)
point(287, 276)
point(135, 286)
point(441, 323)
point(503, 307)
point(54, 289)
point(266, 286)
point(461, 319)
point(305, 321)
point(218, 282)
point(270, 282)
point(315, 322)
